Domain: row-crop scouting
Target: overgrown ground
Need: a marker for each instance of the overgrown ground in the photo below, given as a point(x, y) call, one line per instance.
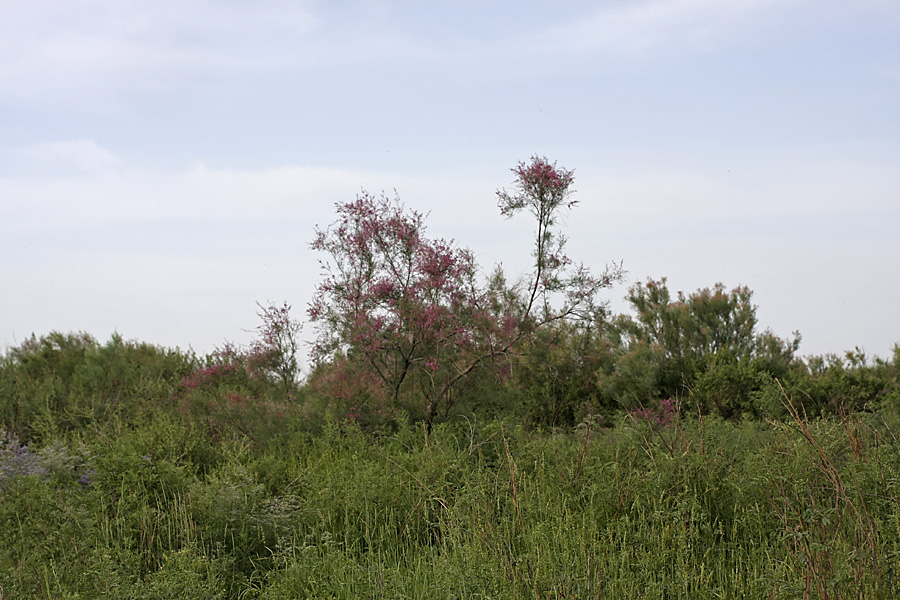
point(155, 506)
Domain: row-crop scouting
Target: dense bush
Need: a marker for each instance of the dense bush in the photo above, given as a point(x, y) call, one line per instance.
point(703, 345)
point(61, 382)
point(832, 384)
point(556, 381)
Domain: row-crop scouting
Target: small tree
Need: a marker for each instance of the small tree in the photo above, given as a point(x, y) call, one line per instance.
point(413, 309)
point(543, 189)
point(703, 343)
point(406, 306)
point(275, 351)
point(690, 330)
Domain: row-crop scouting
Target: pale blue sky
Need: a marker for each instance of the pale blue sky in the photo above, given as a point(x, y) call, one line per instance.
point(163, 164)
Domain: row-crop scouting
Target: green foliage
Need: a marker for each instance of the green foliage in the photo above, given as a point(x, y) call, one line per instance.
point(702, 345)
point(831, 384)
point(729, 386)
point(231, 394)
point(557, 378)
point(61, 382)
point(649, 507)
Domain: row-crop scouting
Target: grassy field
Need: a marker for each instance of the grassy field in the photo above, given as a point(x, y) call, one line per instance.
point(161, 508)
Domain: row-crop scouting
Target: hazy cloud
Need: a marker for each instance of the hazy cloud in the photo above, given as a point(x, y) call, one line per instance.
point(84, 155)
point(53, 53)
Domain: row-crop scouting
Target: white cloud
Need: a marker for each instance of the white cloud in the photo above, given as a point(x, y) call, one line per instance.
point(97, 54)
point(93, 52)
point(138, 195)
point(636, 27)
point(98, 190)
point(640, 27)
point(84, 155)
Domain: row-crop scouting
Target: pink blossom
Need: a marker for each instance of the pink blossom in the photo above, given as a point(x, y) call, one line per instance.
point(393, 298)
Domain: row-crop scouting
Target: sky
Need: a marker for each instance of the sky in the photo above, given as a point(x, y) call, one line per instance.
point(164, 164)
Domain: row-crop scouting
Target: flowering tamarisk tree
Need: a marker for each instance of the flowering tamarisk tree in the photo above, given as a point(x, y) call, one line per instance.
point(543, 189)
point(406, 306)
point(414, 311)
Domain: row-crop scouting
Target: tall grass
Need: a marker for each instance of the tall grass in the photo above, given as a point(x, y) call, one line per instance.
point(698, 508)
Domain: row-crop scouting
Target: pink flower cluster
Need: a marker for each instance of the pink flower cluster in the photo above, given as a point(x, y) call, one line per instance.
point(388, 283)
point(542, 187)
point(207, 375)
point(663, 415)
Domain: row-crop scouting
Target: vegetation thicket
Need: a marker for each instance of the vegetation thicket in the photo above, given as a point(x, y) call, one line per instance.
point(455, 438)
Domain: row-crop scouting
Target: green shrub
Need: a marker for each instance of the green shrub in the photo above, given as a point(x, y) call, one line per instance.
point(65, 382)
